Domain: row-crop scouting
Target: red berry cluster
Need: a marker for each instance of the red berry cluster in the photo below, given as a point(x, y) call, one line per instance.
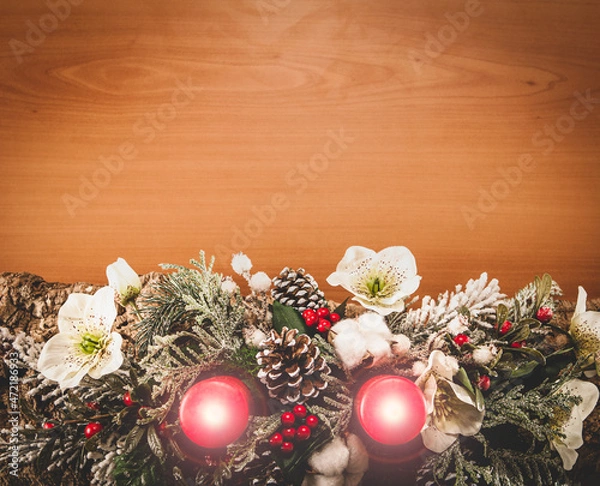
point(321, 318)
point(461, 339)
point(297, 426)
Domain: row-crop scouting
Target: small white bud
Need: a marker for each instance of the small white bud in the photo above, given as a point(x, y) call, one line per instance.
point(260, 282)
point(241, 264)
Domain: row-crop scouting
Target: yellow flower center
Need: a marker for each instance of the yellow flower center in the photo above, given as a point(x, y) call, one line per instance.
point(90, 343)
point(375, 285)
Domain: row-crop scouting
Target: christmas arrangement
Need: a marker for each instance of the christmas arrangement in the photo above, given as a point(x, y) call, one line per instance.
point(283, 387)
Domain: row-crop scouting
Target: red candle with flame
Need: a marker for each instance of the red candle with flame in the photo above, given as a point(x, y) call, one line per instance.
point(214, 412)
point(391, 409)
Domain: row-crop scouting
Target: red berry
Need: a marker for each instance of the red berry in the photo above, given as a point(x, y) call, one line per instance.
point(484, 382)
point(505, 327)
point(289, 433)
point(461, 339)
point(276, 440)
point(127, 400)
point(323, 312)
point(312, 421)
point(334, 317)
point(303, 432)
point(92, 429)
point(287, 447)
point(324, 325)
point(47, 425)
point(516, 345)
point(544, 314)
point(310, 317)
point(300, 411)
point(92, 405)
point(288, 418)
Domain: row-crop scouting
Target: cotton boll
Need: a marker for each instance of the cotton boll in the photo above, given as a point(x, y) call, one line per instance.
point(378, 347)
point(484, 355)
point(372, 323)
point(320, 480)
point(345, 326)
point(350, 347)
point(260, 282)
point(358, 462)
point(400, 344)
point(332, 459)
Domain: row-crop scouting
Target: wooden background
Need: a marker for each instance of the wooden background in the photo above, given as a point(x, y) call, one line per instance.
point(292, 129)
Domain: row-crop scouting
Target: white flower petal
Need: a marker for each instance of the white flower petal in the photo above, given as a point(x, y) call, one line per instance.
point(568, 456)
point(101, 311)
point(61, 361)
point(124, 280)
point(108, 359)
point(436, 440)
point(581, 301)
point(72, 312)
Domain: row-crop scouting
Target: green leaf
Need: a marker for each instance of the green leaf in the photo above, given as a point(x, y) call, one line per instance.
point(341, 309)
point(530, 322)
point(155, 444)
point(543, 289)
point(502, 314)
point(524, 370)
point(133, 438)
point(463, 379)
point(286, 316)
point(517, 333)
point(532, 353)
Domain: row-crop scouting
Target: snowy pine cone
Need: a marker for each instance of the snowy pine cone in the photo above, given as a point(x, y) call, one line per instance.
point(297, 289)
point(291, 367)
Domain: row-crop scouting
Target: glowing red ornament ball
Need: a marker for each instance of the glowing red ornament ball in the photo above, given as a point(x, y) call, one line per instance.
point(391, 409)
point(214, 412)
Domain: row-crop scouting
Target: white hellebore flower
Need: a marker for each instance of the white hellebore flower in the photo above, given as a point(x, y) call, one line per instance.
point(451, 408)
point(379, 281)
point(572, 426)
point(585, 330)
point(85, 343)
point(123, 279)
point(366, 337)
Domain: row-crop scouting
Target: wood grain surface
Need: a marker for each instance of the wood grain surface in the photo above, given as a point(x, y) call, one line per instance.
point(468, 131)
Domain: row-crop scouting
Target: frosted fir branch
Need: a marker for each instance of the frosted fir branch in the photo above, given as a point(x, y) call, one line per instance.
point(524, 303)
point(478, 300)
point(244, 452)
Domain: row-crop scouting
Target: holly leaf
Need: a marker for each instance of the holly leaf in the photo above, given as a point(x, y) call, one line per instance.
point(341, 309)
point(286, 316)
point(532, 353)
point(502, 313)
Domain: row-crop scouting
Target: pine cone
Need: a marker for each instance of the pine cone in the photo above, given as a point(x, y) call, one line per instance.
point(291, 367)
point(297, 289)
